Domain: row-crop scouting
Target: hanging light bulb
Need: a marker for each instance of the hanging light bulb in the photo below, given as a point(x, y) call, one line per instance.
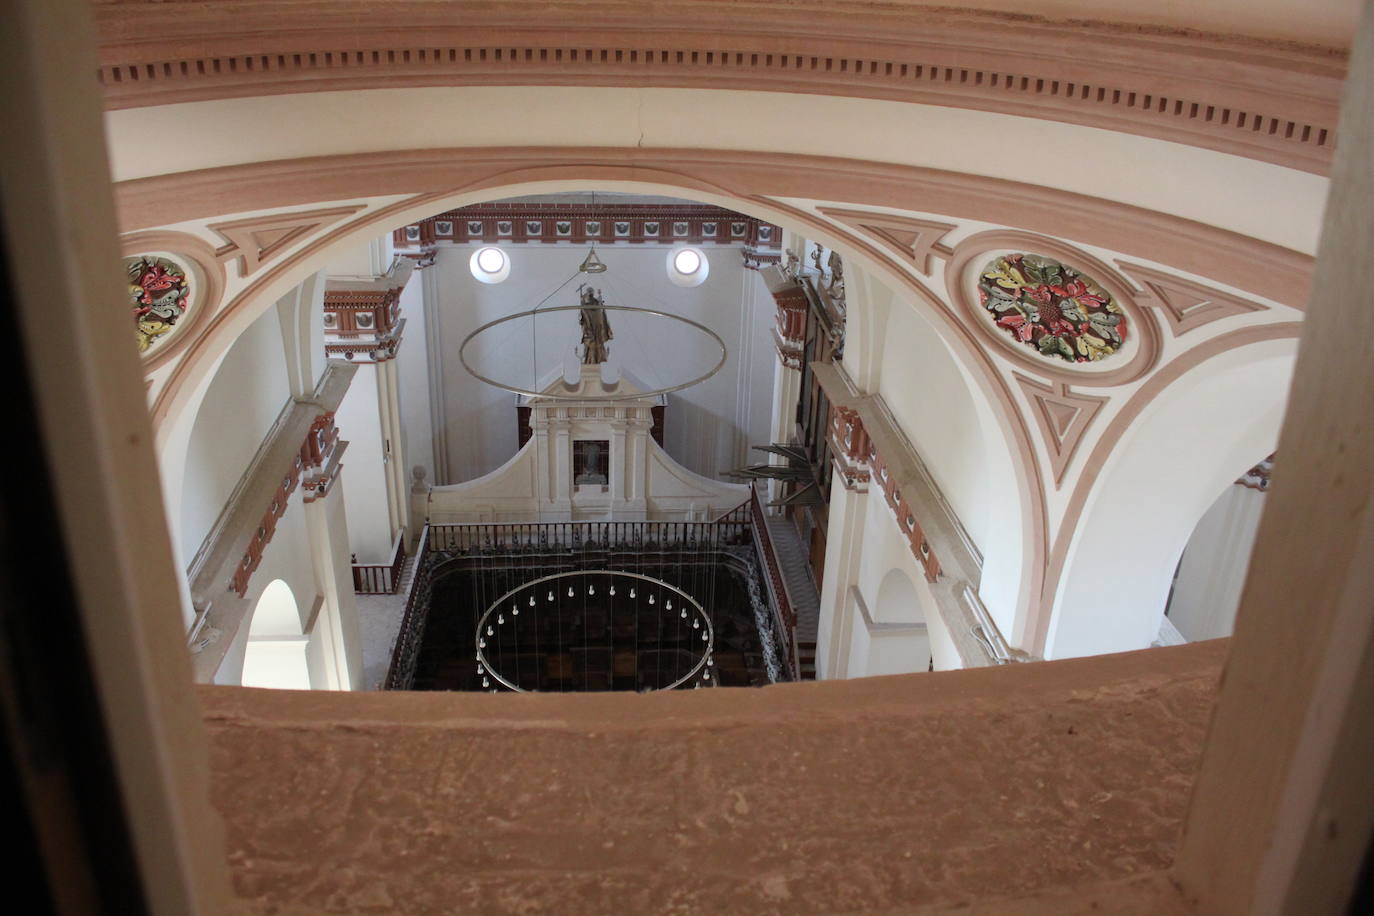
point(651, 599)
point(500, 618)
point(481, 644)
point(612, 591)
point(703, 637)
point(705, 675)
point(531, 601)
point(486, 683)
point(632, 593)
point(591, 589)
point(550, 596)
point(710, 661)
point(696, 624)
point(490, 631)
point(479, 669)
point(515, 610)
point(570, 591)
point(668, 605)
point(683, 615)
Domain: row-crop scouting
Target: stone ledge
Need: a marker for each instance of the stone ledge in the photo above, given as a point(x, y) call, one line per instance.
point(950, 790)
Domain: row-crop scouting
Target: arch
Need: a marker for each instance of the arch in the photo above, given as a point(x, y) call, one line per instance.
point(1160, 465)
point(1206, 589)
point(276, 653)
point(1014, 604)
point(894, 638)
point(898, 599)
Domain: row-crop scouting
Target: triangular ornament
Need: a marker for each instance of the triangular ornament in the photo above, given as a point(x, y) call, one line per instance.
point(912, 240)
point(256, 240)
point(1062, 416)
point(1186, 305)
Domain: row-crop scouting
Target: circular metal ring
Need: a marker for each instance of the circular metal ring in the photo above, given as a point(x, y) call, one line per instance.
point(496, 605)
point(462, 357)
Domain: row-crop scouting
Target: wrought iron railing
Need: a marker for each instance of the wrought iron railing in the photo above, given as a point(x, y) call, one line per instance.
point(401, 673)
point(739, 537)
point(777, 591)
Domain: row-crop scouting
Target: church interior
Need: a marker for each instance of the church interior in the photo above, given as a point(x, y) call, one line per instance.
point(770, 457)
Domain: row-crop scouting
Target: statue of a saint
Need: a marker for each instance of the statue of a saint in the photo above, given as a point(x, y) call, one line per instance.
point(596, 327)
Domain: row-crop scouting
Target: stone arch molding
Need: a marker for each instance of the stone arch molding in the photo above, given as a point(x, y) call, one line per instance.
point(894, 250)
point(184, 385)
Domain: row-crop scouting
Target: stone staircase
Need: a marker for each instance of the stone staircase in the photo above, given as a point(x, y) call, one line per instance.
point(800, 585)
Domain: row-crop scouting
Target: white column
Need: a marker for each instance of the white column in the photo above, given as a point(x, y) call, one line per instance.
point(438, 411)
point(1212, 572)
point(560, 456)
point(617, 466)
point(393, 446)
point(844, 539)
point(370, 507)
point(337, 624)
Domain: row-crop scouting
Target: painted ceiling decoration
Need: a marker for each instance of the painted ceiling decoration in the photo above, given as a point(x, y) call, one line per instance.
point(913, 240)
point(1052, 308)
point(1063, 314)
point(259, 239)
point(1185, 304)
point(160, 294)
point(1062, 416)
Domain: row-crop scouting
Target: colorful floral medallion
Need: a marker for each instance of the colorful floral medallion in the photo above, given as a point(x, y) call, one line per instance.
point(159, 292)
point(1052, 308)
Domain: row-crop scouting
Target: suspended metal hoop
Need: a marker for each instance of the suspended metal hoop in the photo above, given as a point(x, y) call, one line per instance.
point(497, 615)
point(558, 396)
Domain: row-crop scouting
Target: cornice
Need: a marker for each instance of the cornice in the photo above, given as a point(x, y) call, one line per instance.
point(601, 224)
point(1269, 100)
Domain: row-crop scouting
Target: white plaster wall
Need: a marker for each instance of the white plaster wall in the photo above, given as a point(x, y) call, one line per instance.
point(1195, 437)
point(1212, 572)
point(886, 549)
point(930, 400)
point(243, 401)
point(888, 648)
point(288, 558)
point(709, 426)
point(369, 524)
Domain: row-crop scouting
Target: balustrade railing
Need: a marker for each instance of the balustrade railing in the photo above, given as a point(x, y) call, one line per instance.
point(777, 591)
point(381, 578)
point(524, 537)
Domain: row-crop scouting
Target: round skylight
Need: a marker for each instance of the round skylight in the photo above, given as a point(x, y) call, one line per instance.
point(686, 261)
point(489, 264)
point(687, 267)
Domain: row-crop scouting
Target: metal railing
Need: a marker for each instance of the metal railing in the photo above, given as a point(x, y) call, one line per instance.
point(741, 529)
point(401, 672)
point(526, 537)
point(381, 578)
point(777, 591)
